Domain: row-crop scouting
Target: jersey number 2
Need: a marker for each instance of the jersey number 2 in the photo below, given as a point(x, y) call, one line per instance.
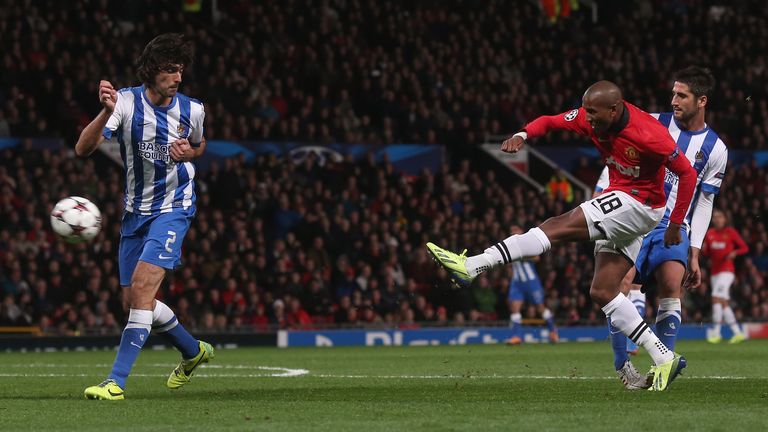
point(171, 239)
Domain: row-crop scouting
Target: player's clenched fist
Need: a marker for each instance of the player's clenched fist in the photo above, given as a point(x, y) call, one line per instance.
point(107, 95)
point(181, 151)
point(512, 145)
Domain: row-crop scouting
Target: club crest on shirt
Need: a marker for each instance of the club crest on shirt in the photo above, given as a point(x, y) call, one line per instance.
point(571, 115)
point(699, 156)
point(181, 129)
point(631, 153)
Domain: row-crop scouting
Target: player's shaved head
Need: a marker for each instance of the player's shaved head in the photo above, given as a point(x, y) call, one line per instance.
point(603, 93)
point(604, 105)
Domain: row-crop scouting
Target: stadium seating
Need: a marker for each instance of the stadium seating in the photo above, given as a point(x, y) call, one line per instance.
point(269, 248)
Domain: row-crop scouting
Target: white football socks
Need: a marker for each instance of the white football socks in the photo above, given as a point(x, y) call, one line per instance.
point(531, 244)
point(717, 318)
point(730, 319)
point(669, 307)
point(162, 317)
point(624, 317)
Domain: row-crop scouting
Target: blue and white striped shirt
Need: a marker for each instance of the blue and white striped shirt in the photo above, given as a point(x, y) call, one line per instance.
point(154, 182)
point(524, 271)
point(708, 155)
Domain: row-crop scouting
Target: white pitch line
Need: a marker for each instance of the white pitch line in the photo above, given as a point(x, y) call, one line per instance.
point(514, 377)
point(285, 372)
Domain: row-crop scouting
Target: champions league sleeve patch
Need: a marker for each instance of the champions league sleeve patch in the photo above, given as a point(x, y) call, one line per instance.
point(571, 115)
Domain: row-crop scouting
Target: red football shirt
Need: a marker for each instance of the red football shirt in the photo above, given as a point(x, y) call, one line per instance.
point(635, 155)
point(718, 244)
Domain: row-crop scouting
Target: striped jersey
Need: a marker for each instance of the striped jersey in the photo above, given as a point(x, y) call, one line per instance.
point(154, 183)
point(524, 271)
point(708, 155)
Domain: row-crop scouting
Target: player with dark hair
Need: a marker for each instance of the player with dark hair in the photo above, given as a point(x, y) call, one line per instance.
point(160, 131)
point(662, 266)
point(636, 148)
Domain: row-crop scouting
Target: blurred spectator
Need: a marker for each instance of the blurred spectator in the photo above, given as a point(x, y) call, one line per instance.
point(559, 188)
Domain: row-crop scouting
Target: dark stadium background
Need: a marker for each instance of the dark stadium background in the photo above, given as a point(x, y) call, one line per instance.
point(278, 244)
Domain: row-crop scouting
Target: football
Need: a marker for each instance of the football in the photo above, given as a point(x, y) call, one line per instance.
point(76, 219)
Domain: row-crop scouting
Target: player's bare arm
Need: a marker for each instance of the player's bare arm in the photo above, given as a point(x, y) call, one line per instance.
point(91, 137)
point(693, 275)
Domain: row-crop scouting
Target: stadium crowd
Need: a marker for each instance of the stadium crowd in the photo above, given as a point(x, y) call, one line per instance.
point(281, 245)
point(382, 72)
point(284, 245)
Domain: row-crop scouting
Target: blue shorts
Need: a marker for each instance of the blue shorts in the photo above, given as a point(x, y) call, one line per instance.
point(529, 291)
point(653, 253)
point(155, 239)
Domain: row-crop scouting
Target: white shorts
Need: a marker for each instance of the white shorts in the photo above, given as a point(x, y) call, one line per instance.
point(721, 285)
point(617, 223)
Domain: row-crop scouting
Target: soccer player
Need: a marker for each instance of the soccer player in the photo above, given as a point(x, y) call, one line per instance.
point(665, 266)
point(526, 286)
point(722, 244)
point(636, 148)
point(160, 131)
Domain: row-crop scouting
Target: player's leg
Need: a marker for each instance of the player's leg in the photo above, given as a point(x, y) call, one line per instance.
point(669, 279)
point(632, 291)
point(515, 303)
point(610, 269)
point(132, 232)
point(728, 316)
point(163, 248)
point(720, 297)
point(619, 342)
point(537, 299)
point(571, 226)
point(144, 285)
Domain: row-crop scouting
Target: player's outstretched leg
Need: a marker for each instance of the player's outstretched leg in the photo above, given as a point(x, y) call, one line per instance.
point(463, 269)
point(183, 372)
point(454, 263)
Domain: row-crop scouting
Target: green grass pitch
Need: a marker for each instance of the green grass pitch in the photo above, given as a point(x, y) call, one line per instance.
point(481, 387)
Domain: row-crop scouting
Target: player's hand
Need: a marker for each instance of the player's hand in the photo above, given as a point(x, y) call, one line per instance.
point(512, 145)
point(107, 95)
point(693, 275)
point(672, 235)
point(182, 151)
point(731, 256)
